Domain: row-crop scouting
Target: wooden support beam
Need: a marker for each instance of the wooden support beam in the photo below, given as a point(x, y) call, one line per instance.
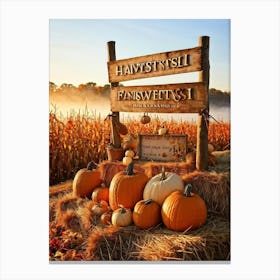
point(114, 135)
point(203, 122)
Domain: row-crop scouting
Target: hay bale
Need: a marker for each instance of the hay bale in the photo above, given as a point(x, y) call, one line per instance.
point(154, 168)
point(214, 188)
point(210, 242)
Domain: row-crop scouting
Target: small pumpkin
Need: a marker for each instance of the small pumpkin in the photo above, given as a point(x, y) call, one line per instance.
point(100, 193)
point(126, 188)
point(86, 180)
point(161, 185)
point(100, 207)
point(145, 119)
point(129, 153)
point(122, 217)
point(106, 217)
point(146, 214)
point(183, 210)
point(162, 130)
point(126, 160)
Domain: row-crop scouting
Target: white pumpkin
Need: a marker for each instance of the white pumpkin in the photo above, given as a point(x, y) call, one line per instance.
point(162, 185)
point(162, 131)
point(126, 160)
point(122, 217)
point(129, 153)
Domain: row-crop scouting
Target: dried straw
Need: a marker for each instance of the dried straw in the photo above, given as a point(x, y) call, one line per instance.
point(210, 242)
point(214, 188)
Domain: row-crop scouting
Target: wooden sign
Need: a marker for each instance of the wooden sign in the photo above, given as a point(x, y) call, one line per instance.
point(169, 147)
point(166, 63)
point(172, 98)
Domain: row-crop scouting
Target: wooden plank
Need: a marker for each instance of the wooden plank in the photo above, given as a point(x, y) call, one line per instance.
point(170, 98)
point(153, 65)
point(164, 148)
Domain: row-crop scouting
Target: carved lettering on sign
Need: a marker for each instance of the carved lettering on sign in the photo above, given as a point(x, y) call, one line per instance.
point(180, 98)
point(168, 63)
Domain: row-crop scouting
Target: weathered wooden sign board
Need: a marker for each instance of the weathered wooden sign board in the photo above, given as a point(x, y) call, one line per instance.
point(172, 98)
point(169, 98)
point(169, 147)
point(166, 63)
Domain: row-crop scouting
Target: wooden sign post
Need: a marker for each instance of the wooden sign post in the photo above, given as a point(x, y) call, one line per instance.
point(202, 121)
point(115, 116)
point(171, 98)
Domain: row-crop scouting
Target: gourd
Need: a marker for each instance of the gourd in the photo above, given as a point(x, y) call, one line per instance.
point(126, 188)
point(161, 185)
point(162, 131)
point(126, 160)
point(145, 119)
point(100, 193)
point(183, 210)
point(146, 214)
point(122, 217)
point(129, 153)
point(86, 180)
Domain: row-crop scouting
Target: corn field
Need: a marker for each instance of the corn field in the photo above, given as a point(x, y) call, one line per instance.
point(80, 138)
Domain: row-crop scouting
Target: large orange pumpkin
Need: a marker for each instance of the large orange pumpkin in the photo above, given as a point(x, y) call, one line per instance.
point(183, 210)
point(86, 180)
point(126, 188)
point(146, 214)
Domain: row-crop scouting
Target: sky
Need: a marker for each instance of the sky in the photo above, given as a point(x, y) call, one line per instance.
point(78, 47)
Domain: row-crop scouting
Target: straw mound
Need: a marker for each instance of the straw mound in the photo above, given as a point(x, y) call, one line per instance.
point(210, 242)
point(214, 188)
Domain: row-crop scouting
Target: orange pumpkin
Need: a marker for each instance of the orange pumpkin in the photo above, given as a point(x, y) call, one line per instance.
point(146, 214)
point(183, 210)
point(126, 188)
point(86, 180)
point(100, 193)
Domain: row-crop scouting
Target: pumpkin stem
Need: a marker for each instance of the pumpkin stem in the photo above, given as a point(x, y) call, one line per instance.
point(129, 169)
point(123, 210)
point(187, 191)
point(163, 175)
point(91, 165)
point(148, 201)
